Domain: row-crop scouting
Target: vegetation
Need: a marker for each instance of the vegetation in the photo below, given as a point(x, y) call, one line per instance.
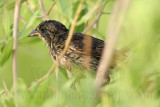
point(135, 82)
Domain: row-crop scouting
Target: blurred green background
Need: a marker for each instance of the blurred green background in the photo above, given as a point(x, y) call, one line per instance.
point(135, 82)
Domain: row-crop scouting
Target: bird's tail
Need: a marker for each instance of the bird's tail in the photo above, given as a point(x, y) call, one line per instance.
point(122, 53)
point(118, 56)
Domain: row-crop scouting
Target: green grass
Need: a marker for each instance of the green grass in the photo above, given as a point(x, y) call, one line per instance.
point(135, 82)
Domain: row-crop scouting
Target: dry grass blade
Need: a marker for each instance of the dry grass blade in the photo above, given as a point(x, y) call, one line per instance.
point(46, 17)
point(2, 93)
point(72, 29)
point(115, 24)
point(28, 5)
point(96, 19)
point(48, 10)
point(15, 44)
point(51, 7)
point(65, 49)
point(15, 36)
point(46, 14)
point(6, 89)
point(21, 18)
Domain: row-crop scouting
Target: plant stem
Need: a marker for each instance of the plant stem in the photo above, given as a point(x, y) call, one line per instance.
point(115, 25)
point(15, 43)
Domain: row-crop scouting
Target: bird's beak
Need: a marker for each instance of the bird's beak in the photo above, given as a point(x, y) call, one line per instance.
point(33, 33)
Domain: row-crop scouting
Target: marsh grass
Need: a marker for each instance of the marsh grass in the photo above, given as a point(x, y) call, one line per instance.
point(135, 81)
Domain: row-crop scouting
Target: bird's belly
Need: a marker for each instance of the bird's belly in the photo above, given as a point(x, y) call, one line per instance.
point(65, 63)
point(74, 59)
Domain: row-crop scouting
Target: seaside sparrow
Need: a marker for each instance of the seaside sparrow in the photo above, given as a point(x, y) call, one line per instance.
point(54, 34)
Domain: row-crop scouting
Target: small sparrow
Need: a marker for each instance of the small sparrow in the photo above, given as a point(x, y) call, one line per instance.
point(55, 34)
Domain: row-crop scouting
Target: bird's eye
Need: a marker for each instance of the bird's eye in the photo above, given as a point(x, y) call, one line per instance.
point(41, 28)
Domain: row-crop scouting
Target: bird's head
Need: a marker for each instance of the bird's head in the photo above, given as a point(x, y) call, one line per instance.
point(47, 30)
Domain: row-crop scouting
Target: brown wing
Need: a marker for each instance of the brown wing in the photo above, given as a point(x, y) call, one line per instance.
point(96, 45)
point(77, 45)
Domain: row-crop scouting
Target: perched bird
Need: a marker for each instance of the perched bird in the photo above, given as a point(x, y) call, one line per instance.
point(54, 34)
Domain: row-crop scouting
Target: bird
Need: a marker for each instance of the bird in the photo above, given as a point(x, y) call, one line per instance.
point(55, 34)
